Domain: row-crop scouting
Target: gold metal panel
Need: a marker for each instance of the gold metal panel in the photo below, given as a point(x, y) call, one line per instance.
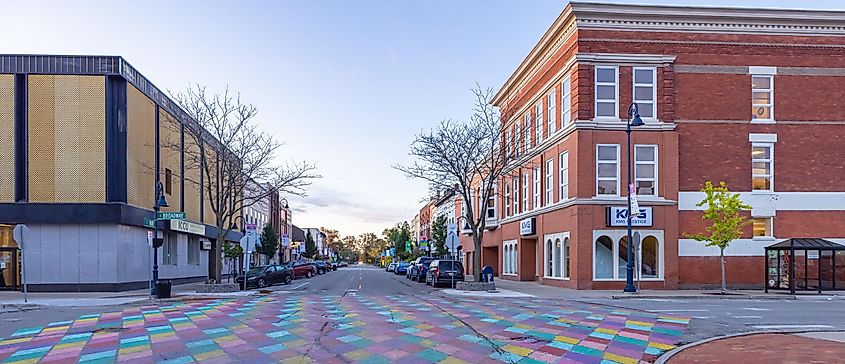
point(7, 138)
point(210, 185)
point(66, 145)
point(140, 149)
point(192, 177)
point(170, 154)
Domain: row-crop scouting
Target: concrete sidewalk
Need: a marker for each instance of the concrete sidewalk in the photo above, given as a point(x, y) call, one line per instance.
point(91, 299)
point(816, 347)
point(543, 291)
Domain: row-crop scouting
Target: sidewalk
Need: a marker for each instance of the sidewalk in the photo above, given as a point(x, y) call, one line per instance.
point(89, 299)
point(544, 291)
point(816, 347)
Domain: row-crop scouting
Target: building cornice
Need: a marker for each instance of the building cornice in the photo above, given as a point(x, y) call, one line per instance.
point(622, 59)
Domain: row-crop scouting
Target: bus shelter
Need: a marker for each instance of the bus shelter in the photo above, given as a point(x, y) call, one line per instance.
point(805, 264)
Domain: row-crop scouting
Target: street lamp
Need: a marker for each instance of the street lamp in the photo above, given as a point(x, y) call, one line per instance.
point(633, 120)
point(157, 242)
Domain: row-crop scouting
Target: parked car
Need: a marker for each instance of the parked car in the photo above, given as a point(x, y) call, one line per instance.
point(391, 267)
point(302, 268)
point(342, 264)
point(267, 276)
point(444, 271)
point(331, 265)
point(401, 268)
point(322, 268)
point(419, 268)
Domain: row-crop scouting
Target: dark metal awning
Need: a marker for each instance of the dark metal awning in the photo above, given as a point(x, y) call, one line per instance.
point(806, 244)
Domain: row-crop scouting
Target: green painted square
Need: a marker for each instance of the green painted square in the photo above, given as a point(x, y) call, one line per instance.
point(374, 359)
point(530, 361)
point(587, 351)
point(432, 355)
point(629, 340)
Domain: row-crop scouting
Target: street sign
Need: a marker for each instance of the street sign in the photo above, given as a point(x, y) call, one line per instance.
point(150, 238)
point(170, 215)
point(451, 228)
point(452, 240)
point(149, 223)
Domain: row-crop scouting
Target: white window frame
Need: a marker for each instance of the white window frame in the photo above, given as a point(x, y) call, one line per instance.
point(491, 196)
point(510, 257)
point(637, 163)
point(515, 196)
point(517, 140)
point(770, 105)
point(653, 86)
point(770, 226)
point(538, 112)
point(563, 176)
point(617, 194)
point(770, 160)
point(551, 106)
point(615, 236)
point(525, 184)
point(566, 102)
point(615, 84)
point(550, 170)
point(509, 143)
point(561, 263)
point(536, 188)
point(527, 119)
point(507, 200)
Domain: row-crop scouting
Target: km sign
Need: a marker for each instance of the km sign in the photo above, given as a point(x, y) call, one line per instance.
point(617, 216)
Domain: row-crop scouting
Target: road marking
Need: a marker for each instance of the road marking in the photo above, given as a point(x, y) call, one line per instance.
point(678, 310)
point(756, 309)
point(703, 317)
point(747, 317)
point(301, 285)
point(775, 327)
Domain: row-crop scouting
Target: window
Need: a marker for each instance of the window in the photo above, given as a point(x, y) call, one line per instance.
point(538, 111)
point(194, 250)
point(565, 102)
point(509, 257)
point(762, 227)
point(566, 257)
point(649, 256)
point(168, 181)
point(607, 170)
point(762, 156)
point(491, 203)
point(645, 169)
point(536, 202)
point(517, 138)
point(550, 170)
point(606, 92)
point(509, 143)
point(507, 200)
point(762, 97)
point(170, 249)
point(563, 179)
point(645, 92)
point(604, 258)
point(611, 255)
point(622, 257)
point(524, 192)
point(556, 256)
point(551, 112)
point(549, 258)
point(527, 131)
point(516, 195)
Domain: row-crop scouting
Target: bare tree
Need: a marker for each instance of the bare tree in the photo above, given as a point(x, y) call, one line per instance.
point(226, 155)
point(470, 157)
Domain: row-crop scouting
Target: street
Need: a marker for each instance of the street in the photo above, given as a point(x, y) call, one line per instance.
point(357, 314)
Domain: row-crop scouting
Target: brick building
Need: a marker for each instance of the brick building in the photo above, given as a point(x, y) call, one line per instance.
point(746, 96)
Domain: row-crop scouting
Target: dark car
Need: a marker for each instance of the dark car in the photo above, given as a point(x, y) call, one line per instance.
point(267, 276)
point(342, 264)
point(419, 268)
point(302, 268)
point(444, 271)
point(331, 265)
point(322, 268)
point(402, 268)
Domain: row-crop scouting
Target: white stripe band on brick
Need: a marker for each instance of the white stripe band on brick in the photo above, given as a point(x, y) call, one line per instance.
point(788, 201)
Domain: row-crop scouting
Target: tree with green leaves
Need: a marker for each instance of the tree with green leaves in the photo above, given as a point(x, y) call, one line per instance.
point(269, 245)
point(310, 246)
point(233, 253)
point(724, 213)
point(438, 236)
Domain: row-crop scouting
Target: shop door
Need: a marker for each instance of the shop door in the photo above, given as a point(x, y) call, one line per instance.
point(9, 272)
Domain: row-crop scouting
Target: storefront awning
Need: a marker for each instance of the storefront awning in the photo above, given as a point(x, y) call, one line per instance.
point(806, 244)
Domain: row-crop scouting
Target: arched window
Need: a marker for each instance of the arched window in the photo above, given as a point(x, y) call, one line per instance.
point(549, 258)
point(649, 261)
point(557, 259)
point(566, 258)
point(515, 256)
point(604, 257)
point(622, 255)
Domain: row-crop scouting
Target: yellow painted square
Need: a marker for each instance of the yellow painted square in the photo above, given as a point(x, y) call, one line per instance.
point(567, 339)
point(620, 359)
point(296, 343)
point(357, 354)
point(69, 345)
point(300, 359)
point(661, 346)
point(518, 350)
point(452, 360)
point(524, 326)
point(208, 355)
point(134, 349)
point(424, 326)
point(16, 341)
point(224, 339)
point(639, 323)
point(606, 331)
point(57, 328)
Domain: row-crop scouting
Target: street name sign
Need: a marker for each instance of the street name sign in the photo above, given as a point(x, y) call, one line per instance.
point(170, 215)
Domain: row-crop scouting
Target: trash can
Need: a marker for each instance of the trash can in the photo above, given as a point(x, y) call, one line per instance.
point(163, 288)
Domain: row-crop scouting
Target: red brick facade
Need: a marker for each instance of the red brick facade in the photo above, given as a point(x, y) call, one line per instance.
point(703, 66)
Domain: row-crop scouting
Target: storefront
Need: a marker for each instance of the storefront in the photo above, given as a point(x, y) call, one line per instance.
point(10, 276)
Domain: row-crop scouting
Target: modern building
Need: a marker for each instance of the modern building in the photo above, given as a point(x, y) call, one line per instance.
point(84, 140)
point(746, 96)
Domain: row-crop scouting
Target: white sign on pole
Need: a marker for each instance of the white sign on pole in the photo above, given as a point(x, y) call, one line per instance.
point(635, 206)
point(150, 238)
point(18, 233)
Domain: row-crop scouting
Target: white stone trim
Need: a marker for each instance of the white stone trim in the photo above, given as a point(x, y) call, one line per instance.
point(623, 59)
point(762, 70)
point(774, 201)
point(762, 138)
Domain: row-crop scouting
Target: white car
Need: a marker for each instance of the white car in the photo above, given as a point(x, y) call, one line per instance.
point(390, 267)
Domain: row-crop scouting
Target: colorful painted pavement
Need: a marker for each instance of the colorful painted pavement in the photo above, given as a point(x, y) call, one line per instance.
point(352, 328)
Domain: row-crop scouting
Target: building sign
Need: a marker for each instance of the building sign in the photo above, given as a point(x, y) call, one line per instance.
point(618, 215)
point(206, 244)
point(187, 227)
point(527, 226)
point(285, 240)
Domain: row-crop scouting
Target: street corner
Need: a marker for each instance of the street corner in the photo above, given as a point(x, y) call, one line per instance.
point(823, 347)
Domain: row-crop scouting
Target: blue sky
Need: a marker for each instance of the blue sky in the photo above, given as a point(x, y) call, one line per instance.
point(345, 84)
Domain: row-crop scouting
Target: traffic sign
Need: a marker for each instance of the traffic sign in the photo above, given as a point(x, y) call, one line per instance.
point(149, 223)
point(452, 240)
point(452, 228)
point(170, 215)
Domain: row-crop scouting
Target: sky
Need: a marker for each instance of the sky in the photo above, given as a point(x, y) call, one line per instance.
point(344, 84)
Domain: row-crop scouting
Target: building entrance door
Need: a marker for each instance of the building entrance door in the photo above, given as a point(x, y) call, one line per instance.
point(9, 269)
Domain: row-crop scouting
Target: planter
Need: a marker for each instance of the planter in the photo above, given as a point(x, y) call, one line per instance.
point(218, 288)
point(475, 286)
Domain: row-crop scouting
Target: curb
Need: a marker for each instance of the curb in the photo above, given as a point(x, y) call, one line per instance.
point(715, 296)
point(664, 358)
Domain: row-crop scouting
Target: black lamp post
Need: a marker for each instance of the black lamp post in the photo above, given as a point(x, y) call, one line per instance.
point(157, 242)
point(633, 120)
